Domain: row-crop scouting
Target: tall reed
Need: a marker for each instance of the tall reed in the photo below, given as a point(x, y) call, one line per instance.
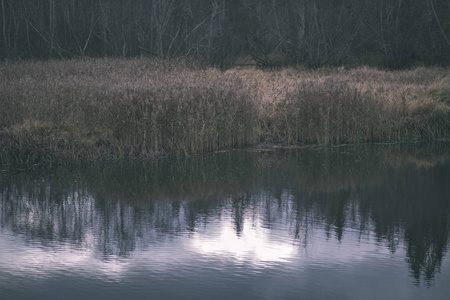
point(326, 112)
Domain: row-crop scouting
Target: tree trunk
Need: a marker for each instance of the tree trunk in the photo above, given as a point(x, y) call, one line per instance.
point(5, 37)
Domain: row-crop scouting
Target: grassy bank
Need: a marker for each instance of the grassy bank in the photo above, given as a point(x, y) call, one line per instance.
point(80, 110)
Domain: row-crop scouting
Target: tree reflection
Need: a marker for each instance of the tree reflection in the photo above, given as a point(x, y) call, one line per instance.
point(116, 209)
point(426, 248)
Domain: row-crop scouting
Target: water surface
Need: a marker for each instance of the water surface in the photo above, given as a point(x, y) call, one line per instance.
point(341, 223)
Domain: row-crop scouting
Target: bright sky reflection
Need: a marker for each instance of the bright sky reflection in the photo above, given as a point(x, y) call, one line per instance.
point(252, 244)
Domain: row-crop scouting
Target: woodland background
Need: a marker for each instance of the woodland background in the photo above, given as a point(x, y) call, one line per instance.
point(223, 33)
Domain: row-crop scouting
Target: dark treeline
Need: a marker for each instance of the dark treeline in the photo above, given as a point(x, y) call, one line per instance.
point(391, 33)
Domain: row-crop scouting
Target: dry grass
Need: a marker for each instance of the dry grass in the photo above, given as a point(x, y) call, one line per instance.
point(334, 106)
point(133, 107)
point(92, 108)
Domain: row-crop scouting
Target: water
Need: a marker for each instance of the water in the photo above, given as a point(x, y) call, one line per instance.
point(342, 223)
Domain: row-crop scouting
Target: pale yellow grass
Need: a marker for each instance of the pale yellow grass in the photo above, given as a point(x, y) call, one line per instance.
point(388, 86)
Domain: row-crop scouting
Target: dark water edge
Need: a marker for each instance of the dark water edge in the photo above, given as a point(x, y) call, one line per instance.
point(355, 222)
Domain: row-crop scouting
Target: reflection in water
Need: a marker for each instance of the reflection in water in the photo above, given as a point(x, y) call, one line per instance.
point(254, 208)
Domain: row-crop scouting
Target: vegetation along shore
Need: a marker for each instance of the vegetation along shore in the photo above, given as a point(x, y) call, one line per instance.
point(88, 109)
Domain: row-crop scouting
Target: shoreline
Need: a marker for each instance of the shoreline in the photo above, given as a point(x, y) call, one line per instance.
point(40, 158)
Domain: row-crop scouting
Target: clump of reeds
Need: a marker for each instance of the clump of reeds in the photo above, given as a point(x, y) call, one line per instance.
point(179, 117)
point(94, 108)
point(325, 111)
point(335, 106)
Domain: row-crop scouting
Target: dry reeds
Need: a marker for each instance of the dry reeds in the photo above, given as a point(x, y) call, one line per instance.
point(99, 108)
point(335, 106)
point(94, 108)
point(326, 112)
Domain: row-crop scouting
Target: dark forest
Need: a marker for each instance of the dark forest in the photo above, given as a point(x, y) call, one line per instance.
point(382, 33)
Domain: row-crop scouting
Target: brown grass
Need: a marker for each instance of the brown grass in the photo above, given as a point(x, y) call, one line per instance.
point(92, 108)
point(131, 107)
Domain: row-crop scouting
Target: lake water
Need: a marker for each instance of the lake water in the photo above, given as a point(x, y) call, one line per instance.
point(342, 223)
